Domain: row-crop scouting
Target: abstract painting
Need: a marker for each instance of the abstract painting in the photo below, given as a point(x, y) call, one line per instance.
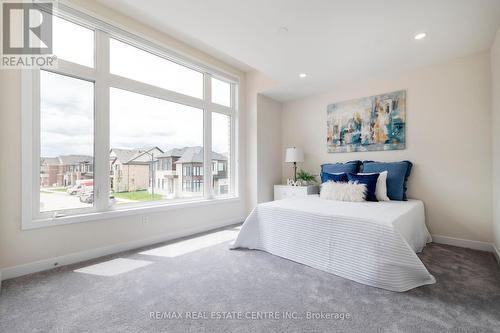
point(367, 124)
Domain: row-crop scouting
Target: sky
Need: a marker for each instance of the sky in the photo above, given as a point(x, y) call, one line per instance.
point(67, 117)
point(67, 104)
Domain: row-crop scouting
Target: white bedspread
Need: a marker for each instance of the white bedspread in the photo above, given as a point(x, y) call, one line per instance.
point(368, 242)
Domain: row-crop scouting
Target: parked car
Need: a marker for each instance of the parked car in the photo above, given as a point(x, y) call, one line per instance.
point(88, 197)
point(80, 187)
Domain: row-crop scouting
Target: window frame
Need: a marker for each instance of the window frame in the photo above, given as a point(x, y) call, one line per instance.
point(103, 81)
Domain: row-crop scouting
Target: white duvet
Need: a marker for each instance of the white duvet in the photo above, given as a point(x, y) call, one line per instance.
point(373, 243)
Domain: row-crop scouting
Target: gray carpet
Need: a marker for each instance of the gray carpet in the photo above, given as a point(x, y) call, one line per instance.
point(466, 297)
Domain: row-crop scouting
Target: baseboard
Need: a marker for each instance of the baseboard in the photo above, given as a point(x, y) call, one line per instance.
point(470, 244)
point(496, 253)
point(72, 258)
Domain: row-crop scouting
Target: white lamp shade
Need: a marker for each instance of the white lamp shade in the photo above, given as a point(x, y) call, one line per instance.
point(294, 155)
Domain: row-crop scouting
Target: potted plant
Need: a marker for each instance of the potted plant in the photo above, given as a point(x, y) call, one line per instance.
point(305, 177)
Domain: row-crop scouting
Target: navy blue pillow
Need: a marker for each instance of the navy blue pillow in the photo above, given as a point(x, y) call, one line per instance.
point(397, 176)
point(351, 166)
point(340, 177)
point(369, 180)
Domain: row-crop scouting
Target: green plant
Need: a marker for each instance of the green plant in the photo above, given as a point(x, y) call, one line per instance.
point(305, 176)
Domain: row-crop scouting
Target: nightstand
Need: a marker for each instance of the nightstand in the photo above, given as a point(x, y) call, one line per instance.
point(285, 191)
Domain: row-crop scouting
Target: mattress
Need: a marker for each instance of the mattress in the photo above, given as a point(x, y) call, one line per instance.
point(373, 243)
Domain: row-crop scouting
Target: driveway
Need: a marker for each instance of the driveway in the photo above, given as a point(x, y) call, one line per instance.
point(52, 201)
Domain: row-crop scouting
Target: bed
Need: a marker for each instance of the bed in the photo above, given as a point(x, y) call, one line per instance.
point(374, 243)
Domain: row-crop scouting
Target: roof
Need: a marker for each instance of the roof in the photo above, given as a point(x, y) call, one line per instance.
point(191, 155)
point(75, 159)
point(137, 155)
point(176, 152)
point(67, 160)
point(50, 160)
point(219, 157)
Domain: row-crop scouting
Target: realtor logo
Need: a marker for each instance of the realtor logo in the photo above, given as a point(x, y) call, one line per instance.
point(27, 35)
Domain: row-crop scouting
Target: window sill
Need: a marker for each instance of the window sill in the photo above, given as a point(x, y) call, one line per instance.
point(120, 212)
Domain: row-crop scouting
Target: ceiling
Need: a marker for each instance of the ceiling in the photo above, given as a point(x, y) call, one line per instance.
point(333, 41)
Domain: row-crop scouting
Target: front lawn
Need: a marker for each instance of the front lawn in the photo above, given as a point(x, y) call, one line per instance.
point(142, 195)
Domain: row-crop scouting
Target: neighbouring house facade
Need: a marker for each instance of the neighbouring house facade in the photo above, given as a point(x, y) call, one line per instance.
point(179, 173)
point(166, 180)
point(65, 170)
point(131, 169)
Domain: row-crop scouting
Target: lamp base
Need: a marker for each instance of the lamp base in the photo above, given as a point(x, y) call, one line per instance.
point(294, 171)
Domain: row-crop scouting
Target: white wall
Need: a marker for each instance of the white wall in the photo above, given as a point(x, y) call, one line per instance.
point(448, 140)
point(258, 136)
point(19, 247)
point(269, 152)
point(495, 90)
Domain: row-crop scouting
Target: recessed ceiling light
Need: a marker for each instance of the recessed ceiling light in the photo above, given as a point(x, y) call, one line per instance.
point(283, 29)
point(302, 75)
point(420, 35)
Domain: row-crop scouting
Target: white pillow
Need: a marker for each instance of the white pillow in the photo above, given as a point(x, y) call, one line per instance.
point(381, 189)
point(343, 191)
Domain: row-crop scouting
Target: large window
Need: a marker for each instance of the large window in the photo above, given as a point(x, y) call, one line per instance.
point(122, 123)
point(66, 142)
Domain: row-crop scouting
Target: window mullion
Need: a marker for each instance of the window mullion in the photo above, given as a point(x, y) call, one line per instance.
point(101, 136)
point(207, 138)
point(153, 91)
point(73, 70)
point(37, 139)
point(233, 155)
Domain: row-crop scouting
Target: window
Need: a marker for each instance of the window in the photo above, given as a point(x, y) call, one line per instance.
point(143, 128)
point(66, 140)
point(72, 42)
point(198, 171)
point(121, 123)
point(221, 92)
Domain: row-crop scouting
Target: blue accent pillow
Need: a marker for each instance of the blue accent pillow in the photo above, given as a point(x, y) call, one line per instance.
point(339, 177)
point(351, 166)
point(397, 176)
point(369, 180)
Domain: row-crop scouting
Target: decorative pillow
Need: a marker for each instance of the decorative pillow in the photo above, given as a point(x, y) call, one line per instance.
point(343, 191)
point(397, 177)
point(336, 177)
point(369, 180)
point(351, 166)
point(381, 190)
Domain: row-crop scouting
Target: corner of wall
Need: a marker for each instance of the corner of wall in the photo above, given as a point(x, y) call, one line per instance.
point(256, 83)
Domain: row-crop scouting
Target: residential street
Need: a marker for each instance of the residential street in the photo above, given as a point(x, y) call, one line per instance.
point(52, 200)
